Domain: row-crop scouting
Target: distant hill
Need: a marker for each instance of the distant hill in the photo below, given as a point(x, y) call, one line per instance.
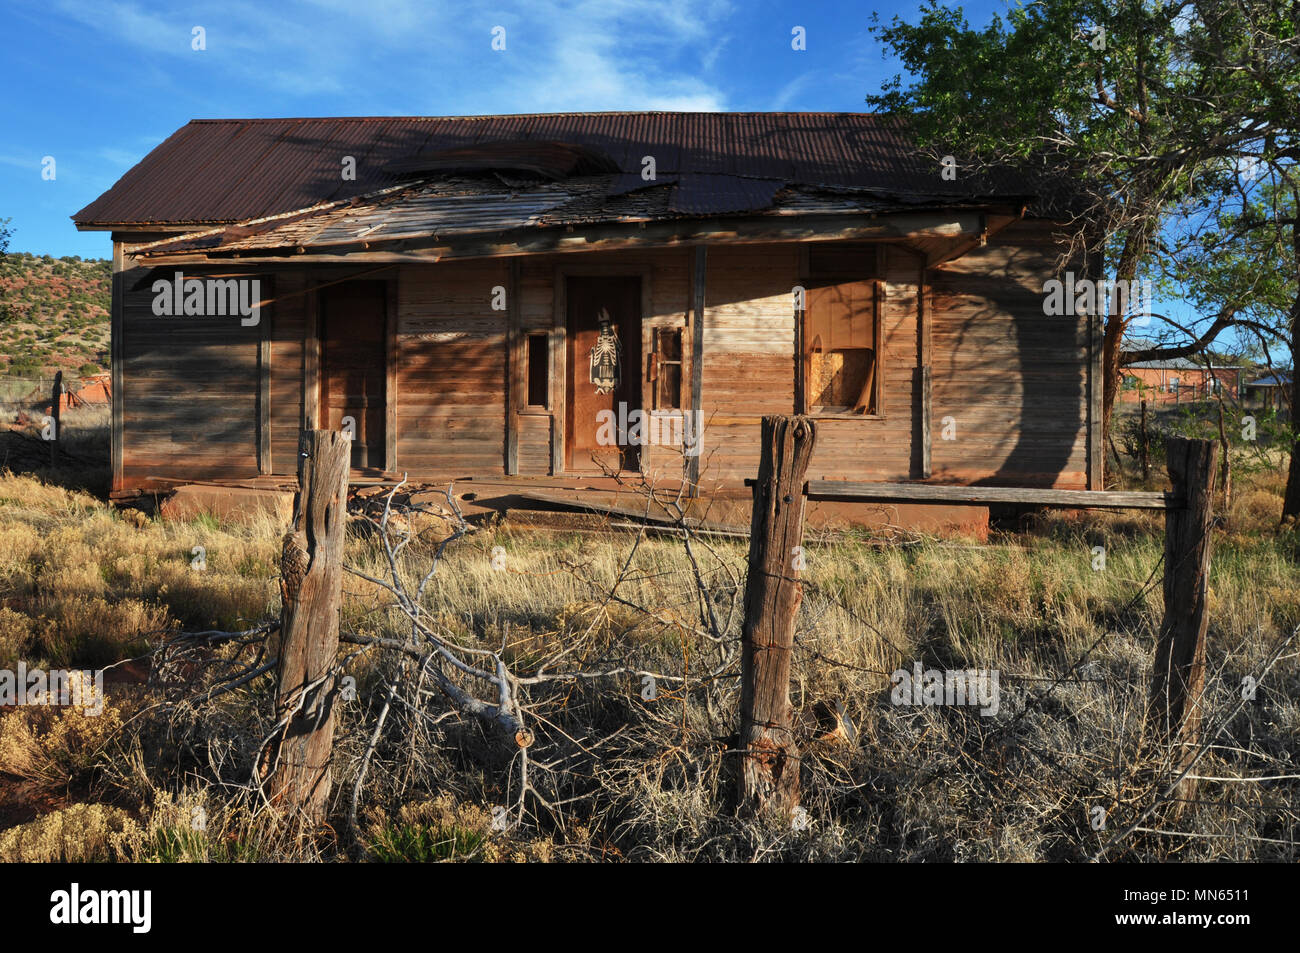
point(53, 315)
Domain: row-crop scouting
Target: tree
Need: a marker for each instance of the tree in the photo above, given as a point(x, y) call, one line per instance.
point(1141, 105)
point(1244, 262)
point(5, 233)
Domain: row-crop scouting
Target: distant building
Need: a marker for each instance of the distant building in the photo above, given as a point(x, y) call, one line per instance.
point(1176, 380)
point(1268, 390)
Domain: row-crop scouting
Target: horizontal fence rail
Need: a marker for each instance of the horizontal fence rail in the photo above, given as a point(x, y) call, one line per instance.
point(936, 493)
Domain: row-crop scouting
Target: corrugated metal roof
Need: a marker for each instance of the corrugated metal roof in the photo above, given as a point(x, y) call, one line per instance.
point(699, 194)
point(232, 170)
point(1173, 364)
point(1273, 380)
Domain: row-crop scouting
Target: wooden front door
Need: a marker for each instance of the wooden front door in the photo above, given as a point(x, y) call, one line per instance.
point(354, 366)
point(603, 324)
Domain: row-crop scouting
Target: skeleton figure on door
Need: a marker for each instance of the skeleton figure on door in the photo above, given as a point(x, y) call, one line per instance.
point(606, 356)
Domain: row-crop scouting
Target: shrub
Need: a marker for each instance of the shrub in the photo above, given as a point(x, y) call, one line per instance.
point(82, 833)
point(15, 636)
point(55, 746)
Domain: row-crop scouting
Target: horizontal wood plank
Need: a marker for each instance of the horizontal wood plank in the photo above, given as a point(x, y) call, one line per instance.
point(935, 493)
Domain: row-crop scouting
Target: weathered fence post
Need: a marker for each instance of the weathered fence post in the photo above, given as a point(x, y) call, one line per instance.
point(55, 413)
point(311, 584)
point(1144, 443)
point(1178, 677)
point(769, 759)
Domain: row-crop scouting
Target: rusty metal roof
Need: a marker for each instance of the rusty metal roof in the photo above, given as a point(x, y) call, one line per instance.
point(716, 194)
point(216, 171)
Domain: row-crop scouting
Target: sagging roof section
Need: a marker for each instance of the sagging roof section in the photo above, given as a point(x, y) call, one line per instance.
point(213, 172)
point(456, 211)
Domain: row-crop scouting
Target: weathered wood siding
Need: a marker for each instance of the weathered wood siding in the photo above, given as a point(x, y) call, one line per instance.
point(451, 369)
point(287, 323)
point(1013, 380)
point(749, 368)
point(189, 390)
point(749, 353)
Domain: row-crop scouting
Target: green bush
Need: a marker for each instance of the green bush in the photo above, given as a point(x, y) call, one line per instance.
point(418, 844)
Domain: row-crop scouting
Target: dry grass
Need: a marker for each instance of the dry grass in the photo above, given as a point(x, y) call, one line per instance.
point(653, 780)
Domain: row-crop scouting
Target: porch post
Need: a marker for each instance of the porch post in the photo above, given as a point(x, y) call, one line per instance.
point(697, 364)
point(515, 381)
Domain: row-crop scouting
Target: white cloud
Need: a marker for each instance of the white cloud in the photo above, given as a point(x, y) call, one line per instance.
point(622, 54)
point(792, 91)
point(595, 54)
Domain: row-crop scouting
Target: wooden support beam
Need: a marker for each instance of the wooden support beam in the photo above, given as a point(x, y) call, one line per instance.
point(924, 343)
point(1178, 675)
point(391, 396)
point(117, 481)
point(1096, 471)
point(311, 356)
point(311, 586)
point(559, 370)
point(769, 757)
point(990, 225)
point(515, 369)
point(699, 273)
point(264, 462)
point(926, 409)
point(940, 493)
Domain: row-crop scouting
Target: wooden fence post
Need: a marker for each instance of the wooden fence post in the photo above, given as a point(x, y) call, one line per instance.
point(55, 409)
point(1144, 443)
point(311, 585)
point(1178, 677)
point(769, 759)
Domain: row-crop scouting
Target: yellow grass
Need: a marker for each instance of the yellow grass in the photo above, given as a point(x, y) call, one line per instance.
point(85, 585)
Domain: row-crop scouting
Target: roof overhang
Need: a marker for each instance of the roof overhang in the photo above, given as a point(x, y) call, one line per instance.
point(964, 227)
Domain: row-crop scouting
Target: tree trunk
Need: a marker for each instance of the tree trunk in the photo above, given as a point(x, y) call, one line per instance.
point(311, 585)
point(1178, 676)
point(1135, 242)
point(769, 758)
point(1291, 502)
point(1225, 460)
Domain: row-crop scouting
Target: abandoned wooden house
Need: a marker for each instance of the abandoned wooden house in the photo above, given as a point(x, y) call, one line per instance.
point(534, 301)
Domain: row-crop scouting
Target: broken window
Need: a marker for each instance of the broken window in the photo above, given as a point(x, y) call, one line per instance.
point(539, 370)
point(840, 349)
point(665, 371)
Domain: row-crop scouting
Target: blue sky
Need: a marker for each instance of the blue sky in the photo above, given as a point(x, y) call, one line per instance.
point(96, 85)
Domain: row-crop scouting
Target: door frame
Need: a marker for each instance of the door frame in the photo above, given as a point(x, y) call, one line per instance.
point(311, 356)
point(559, 346)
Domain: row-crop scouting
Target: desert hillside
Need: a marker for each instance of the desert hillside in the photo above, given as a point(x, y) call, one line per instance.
point(53, 315)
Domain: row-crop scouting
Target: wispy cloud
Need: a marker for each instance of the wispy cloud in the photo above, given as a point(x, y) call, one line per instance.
point(597, 54)
point(792, 90)
point(621, 54)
